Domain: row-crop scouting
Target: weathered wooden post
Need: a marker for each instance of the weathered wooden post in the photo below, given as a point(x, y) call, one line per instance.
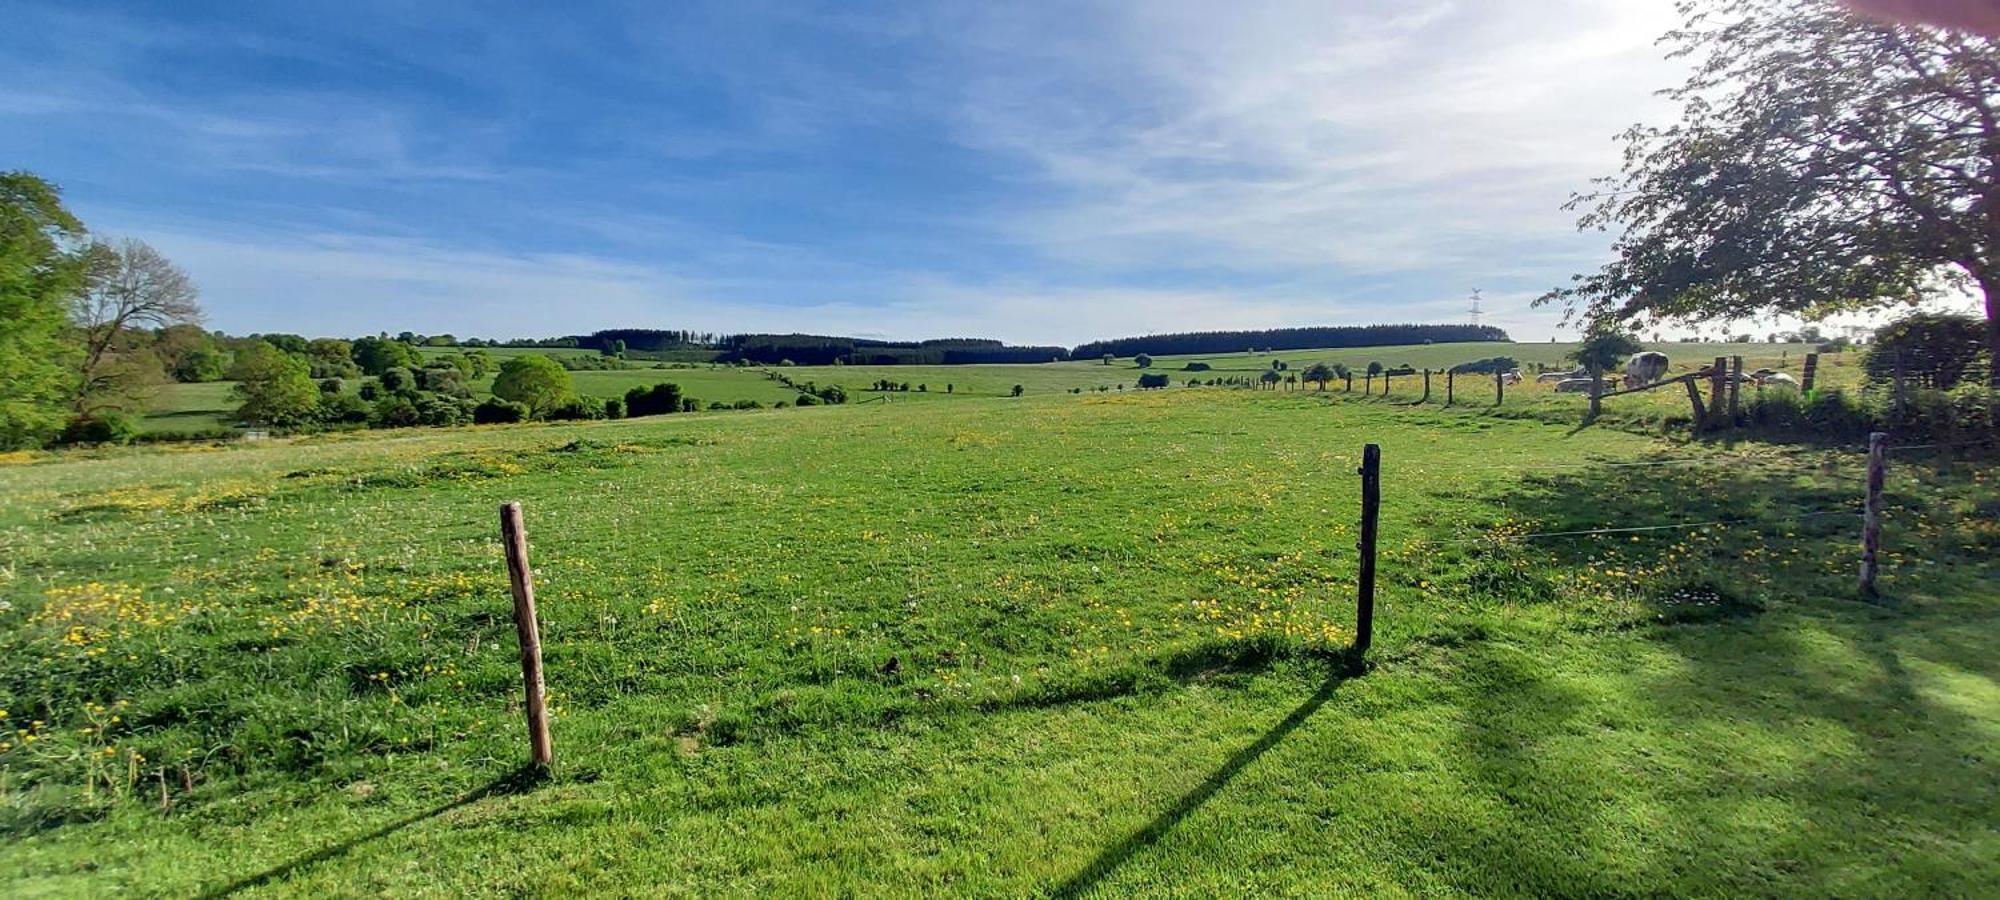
point(1694, 399)
point(1350, 381)
point(1811, 373)
point(1371, 506)
point(1450, 377)
point(1735, 388)
point(1367, 384)
point(1871, 515)
point(1901, 393)
point(540, 751)
point(1427, 387)
point(1596, 385)
point(1717, 375)
point(1499, 389)
point(1385, 382)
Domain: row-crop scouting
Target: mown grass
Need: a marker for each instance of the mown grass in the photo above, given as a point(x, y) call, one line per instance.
point(1113, 621)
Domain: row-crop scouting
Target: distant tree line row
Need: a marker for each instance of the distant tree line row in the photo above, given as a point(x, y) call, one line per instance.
point(1290, 339)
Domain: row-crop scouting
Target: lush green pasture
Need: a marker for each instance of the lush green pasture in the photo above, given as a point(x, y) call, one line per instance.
point(197, 407)
point(1058, 644)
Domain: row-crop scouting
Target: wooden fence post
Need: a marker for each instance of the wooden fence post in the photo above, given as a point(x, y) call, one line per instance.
point(1499, 389)
point(1371, 505)
point(1427, 387)
point(1450, 377)
point(1718, 374)
point(1385, 382)
point(1871, 516)
point(1735, 388)
point(1596, 389)
point(515, 537)
point(1350, 381)
point(1694, 399)
point(1811, 373)
point(1901, 394)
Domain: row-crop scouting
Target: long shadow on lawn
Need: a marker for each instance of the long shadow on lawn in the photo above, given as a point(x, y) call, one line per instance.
point(518, 781)
point(1115, 855)
point(1751, 762)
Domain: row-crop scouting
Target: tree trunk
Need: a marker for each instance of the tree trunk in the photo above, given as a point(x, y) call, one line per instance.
point(1989, 282)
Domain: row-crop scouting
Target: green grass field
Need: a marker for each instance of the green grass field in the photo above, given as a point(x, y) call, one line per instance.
point(1114, 619)
point(195, 407)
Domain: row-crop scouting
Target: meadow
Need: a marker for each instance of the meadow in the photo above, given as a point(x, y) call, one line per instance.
point(200, 407)
point(1056, 645)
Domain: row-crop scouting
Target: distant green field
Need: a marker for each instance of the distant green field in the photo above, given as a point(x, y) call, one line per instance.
point(192, 407)
point(1049, 647)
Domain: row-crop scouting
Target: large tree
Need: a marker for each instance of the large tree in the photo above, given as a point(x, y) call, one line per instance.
point(535, 381)
point(128, 286)
point(274, 387)
point(1823, 162)
point(40, 269)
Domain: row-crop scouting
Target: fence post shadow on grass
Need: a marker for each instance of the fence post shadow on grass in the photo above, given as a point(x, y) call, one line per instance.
point(1111, 858)
point(518, 781)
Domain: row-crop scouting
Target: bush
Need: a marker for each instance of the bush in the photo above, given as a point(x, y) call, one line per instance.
point(438, 410)
point(1937, 350)
point(1487, 366)
point(660, 399)
point(1149, 381)
point(1143, 361)
point(398, 381)
point(748, 404)
point(614, 408)
point(394, 411)
point(1196, 367)
point(100, 428)
point(1833, 413)
point(496, 411)
point(577, 409)
point(837, 395)
point(340, 408)
point(807, 400)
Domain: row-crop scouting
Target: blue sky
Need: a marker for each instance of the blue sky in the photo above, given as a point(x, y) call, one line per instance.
point(1047, 173)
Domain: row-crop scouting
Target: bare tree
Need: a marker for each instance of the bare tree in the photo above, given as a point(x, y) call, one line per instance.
point(129, 285)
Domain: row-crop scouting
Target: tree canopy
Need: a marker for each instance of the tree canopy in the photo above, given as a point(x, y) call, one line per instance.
point(535, 381)
point(1823, 162)
point(40, 270)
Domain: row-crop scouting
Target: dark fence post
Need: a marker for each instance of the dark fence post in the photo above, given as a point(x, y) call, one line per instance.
point(1371, 504)
point(515, 537)
point(1596, 381)
point(1499, 389)
point(1871, 516)
point(1450, 376)
point(1718, 374)
point(1811, 373)
point(1427, 387)
point(1735, 389)
point(1385, 382)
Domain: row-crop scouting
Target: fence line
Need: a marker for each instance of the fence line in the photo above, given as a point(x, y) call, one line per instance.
point(1496, 537)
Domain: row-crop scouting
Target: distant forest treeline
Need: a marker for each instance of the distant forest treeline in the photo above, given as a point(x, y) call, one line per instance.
point(821, 350)
point(1290, 339)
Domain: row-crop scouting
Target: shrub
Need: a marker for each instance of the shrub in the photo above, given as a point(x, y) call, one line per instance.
point(1835, 414)
point(1197, 367)
point(329, 386)
point(370, 390)
point(614, 408)
point(108, 427)
point(341, 408)
point(440, 410)
point(577, 409)
point(1149, 381)
point(749, 404)
point(394, 411)
point(714, 405)
point(1487, 366)
point(1937, 350)
point(837, 395)
point(1143, 361)
point(808, 400)
point(496, 411)
point(398, 380)
point(660, 399)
